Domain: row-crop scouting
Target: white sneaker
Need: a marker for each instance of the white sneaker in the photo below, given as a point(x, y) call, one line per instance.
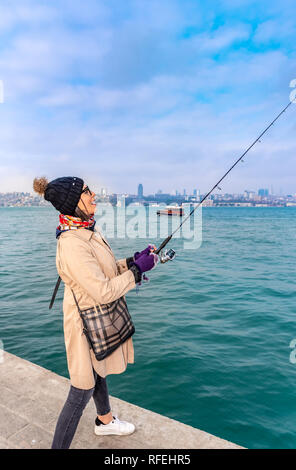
point(116, 426)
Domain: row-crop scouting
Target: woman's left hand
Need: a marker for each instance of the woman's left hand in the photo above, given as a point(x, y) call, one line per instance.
point(147, 251)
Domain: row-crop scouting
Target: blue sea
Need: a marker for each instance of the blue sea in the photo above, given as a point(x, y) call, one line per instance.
point(213, 327)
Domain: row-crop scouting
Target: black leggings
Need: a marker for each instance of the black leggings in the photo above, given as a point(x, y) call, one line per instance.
point(74, 407)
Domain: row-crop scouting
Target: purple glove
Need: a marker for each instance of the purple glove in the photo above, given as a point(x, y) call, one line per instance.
point(146, 261)
point(144, 252)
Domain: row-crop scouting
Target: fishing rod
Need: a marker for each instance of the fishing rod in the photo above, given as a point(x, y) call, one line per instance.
point(170, 254)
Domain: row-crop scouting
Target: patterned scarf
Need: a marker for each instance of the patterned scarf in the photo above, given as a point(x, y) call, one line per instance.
point(68, 222)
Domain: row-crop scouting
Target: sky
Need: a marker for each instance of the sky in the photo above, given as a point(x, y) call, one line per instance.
point(167, 93)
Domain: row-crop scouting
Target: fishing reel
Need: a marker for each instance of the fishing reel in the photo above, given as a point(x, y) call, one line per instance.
point(168, 255)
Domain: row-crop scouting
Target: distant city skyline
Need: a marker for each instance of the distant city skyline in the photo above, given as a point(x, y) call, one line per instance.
point(139, 189)
point(247, 199)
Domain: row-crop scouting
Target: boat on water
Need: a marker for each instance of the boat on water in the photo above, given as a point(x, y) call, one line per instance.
point(171, 210)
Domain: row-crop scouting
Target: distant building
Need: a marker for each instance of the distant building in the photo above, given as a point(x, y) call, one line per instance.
point(140, 191)
point(249, 194)
point(263, 192)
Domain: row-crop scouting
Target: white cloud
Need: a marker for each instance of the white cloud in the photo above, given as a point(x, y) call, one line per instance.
point(118, 95)
point(170, 94)
point(221, 38)
point(275, 31)
point(16, 13)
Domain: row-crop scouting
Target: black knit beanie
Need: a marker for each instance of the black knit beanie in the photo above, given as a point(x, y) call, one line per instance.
point(64, 193)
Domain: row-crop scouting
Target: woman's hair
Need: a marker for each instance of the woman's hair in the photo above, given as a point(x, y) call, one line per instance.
point(81, 214)
point(39, 185)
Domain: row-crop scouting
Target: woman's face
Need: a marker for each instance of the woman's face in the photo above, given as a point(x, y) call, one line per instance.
point(87, 202)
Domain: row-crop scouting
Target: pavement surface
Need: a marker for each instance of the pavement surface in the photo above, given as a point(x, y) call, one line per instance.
point(32, 397)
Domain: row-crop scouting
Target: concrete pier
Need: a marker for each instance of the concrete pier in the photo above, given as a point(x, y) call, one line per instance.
point(32, 397)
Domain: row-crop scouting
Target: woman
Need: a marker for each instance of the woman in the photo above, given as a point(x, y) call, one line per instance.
point(86, 264)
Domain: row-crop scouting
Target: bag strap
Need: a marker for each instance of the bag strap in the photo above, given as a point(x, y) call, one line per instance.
point(84, 329)
point(76, 302)
point(78, 305)
point(55, 292)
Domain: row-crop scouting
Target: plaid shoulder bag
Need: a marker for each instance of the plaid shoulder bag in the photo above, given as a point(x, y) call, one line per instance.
point(107, 329)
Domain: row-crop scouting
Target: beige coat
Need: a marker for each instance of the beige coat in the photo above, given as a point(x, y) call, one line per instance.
point(87, 265)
